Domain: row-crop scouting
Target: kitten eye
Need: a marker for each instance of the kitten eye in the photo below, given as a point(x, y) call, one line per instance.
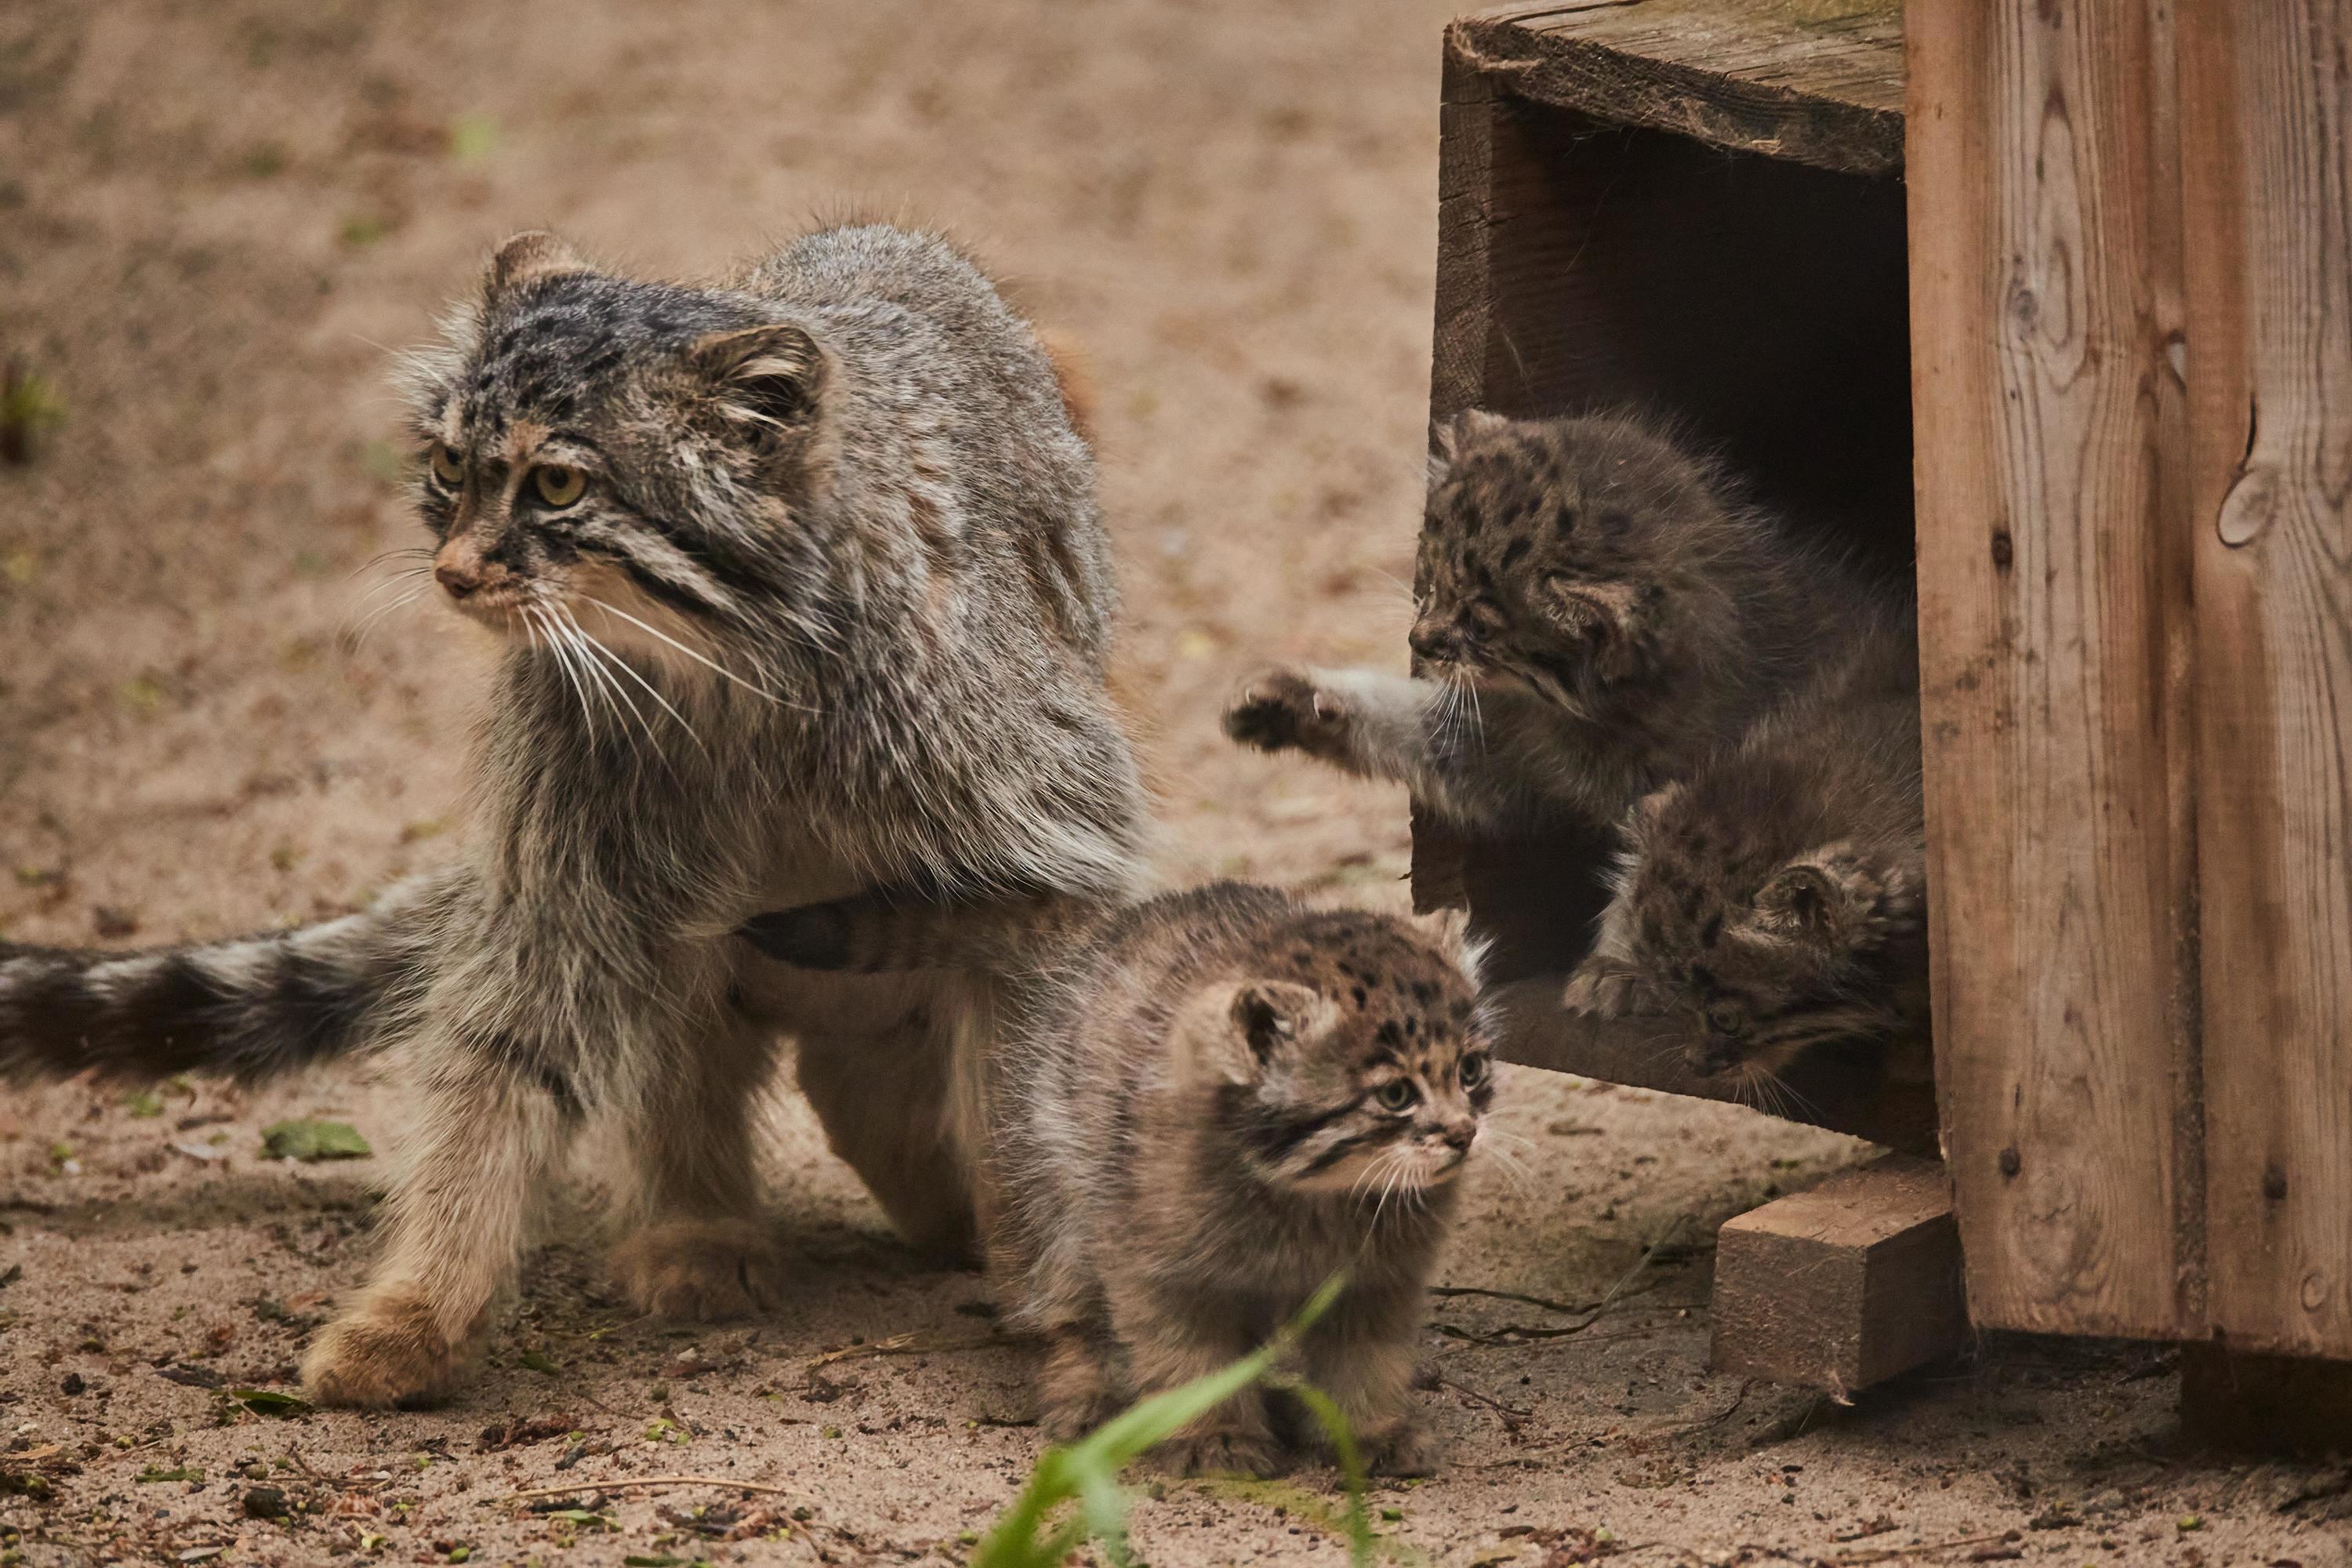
point(444, 465)
point(1398, 1094)
point(557, 485)
point(1472, 1072)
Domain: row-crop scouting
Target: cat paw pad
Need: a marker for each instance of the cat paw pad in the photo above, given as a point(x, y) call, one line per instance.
point(1604, 991)
point(701, 1271)
point(386, 1351)
point(1282, 709)
point(1410, 1451)
point(1222, 1453)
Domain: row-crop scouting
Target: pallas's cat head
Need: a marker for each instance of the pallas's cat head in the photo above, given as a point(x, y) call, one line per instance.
point(1571, 558)
point(1765, 935)
point(634, 458)
point(1352, 1058)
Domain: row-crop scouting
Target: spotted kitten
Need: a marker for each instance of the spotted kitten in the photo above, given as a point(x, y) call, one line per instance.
point(802, 588)
point(1206, 1103)
point(1775, 898)
point(1596, 611)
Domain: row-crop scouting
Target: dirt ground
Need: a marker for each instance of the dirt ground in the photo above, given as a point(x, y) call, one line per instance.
point(216, 216)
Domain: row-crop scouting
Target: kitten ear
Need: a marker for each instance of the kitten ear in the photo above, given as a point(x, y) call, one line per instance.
point(1828, 895)
point(530, 256)
point(1644, 818)
point(1267, 1015)
point(1449, 928)
point(766, 378)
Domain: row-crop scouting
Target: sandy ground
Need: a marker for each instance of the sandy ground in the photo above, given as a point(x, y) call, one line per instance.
point(214, 219)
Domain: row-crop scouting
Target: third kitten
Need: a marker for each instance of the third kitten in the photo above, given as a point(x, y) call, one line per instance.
point(1598, 610)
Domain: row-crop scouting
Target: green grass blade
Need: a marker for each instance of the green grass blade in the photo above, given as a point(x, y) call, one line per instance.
point(1361, 1543)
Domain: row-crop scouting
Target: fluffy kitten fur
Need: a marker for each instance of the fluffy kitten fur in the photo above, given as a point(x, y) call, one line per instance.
point(1205, 1104)
point(1598, 611)
point(803, 588)
point(1775, 898)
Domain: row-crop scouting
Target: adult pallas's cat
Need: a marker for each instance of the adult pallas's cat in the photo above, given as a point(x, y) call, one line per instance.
point(803, 589)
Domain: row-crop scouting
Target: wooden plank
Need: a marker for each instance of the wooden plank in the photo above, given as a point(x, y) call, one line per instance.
point(1889, 1099)
point(1845, 1285)
point(1816, 81)
point(2266, 118)
point(2054, 623)
point(2271, 1403)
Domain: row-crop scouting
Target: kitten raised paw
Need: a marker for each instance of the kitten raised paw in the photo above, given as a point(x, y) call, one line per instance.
point(1222, 1453)
point(701, 1271)
point(1282, 709)
point(1606, 989)
point(388, 1350)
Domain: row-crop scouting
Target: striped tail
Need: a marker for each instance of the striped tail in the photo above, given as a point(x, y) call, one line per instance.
point(869, 933)
point(248, 1008)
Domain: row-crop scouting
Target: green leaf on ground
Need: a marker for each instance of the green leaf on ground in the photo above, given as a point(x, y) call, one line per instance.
point(262, 1402)
point(309, 1140)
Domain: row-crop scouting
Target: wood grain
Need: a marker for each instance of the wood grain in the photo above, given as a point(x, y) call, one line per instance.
point(2266, 118)
point(1819, 81)
point(1845, 1284)
point(2053, 623)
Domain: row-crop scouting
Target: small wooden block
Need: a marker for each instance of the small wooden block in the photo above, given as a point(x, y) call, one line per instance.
point(2271, 1403)
point(1845, 1285)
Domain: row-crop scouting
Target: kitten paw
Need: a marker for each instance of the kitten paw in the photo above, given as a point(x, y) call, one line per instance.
point(1222, 1453)
point(1409, 1449)
point(1282, 709)
point(1606, 989)
point(701, 1271)
point(389, 1349)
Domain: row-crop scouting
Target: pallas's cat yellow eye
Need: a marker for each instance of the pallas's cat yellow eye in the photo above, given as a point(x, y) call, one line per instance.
point(557, 485)
point(444, 465)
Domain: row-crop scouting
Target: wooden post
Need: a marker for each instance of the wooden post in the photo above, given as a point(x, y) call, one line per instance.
point(2266, 132)
point(2054, 622)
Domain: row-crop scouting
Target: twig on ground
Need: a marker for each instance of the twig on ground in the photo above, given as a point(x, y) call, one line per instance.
point(910, 1344)
point(634, 1483)
point(1488, 1400)
point(1720, 1416)
point(1891, 1553)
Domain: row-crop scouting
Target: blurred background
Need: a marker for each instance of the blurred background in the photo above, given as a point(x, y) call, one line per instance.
point(218, 222)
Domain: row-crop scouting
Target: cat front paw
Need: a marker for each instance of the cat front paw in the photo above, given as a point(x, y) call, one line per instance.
point(1222, 1453)
point(701, 1270)
point(1408, 1448)
point(1283, 709)
point(1607, 988)
point(389, 1349)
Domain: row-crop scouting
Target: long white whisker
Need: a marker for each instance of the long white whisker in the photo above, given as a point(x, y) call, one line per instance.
point(358, 634)
point(625, 667)
point(535, 615)
point(760, 691)
point(593, 658)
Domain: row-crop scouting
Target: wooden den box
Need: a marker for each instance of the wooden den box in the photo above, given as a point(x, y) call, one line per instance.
point(2053, 305)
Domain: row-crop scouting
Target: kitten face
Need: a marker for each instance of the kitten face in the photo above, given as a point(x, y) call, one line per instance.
point(1765, 951)
point(1553, 555)
point(1357, 1063)
point(620, 456)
